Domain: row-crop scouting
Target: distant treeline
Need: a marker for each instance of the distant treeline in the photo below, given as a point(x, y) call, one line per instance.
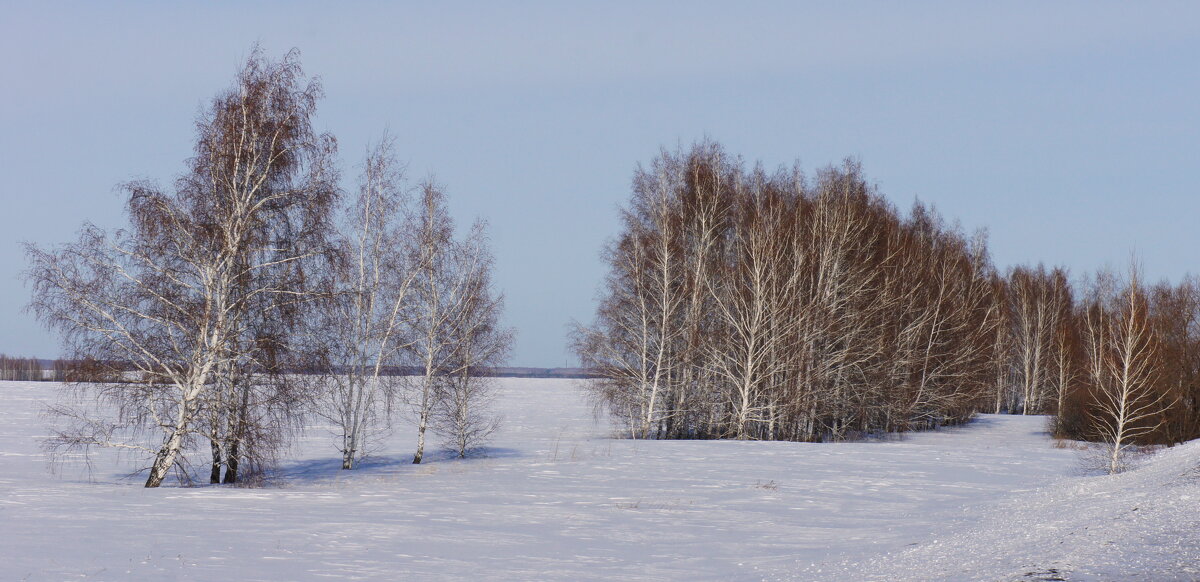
point(59, 370)
point(488, 372)
point(62, 370)
point(23, 369)
point(540, 373)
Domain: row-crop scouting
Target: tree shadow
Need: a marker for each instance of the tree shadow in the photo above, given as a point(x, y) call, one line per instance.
point(330, 467)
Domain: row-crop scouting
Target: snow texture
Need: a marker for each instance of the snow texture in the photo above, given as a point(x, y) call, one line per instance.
point(555, 498)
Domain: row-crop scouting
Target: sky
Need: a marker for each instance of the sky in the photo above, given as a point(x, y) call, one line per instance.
point(1069, 130)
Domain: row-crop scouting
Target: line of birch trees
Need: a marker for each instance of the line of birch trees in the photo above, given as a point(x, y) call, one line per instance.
point(754, 305)
point(748, 304)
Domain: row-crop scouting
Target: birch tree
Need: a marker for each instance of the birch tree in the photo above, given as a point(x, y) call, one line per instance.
point(638, 337)
point(463, 415)
point(452, 328)
point(178, 296)
point(1128, 404)
point(1137, 365)
point(362, 328)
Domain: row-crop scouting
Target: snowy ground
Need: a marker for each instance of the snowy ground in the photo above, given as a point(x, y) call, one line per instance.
point(555, 499)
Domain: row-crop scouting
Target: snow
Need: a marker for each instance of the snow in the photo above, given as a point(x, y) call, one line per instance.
point(555, 498)
point(1140, 525)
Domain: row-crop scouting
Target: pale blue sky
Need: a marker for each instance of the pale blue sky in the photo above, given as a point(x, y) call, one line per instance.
point(1071, 130)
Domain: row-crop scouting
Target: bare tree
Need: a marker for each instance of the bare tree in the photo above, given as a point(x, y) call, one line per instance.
point(1125, 366)
point(433, 306)
point(1004, 397)
point(463, 414)
point(360, 330)
point(637, 337)
point(183, 297)
point(1135, 380)
point(654, 327)
point(452, 327)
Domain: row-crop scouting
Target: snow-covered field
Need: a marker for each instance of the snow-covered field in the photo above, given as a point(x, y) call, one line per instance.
point(556, 499)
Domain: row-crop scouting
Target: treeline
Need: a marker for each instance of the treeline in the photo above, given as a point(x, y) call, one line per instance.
point(23, 369)
point(523, 372)
point(37, 369)
point(59, 370)
point(254, 266)
point(742, 303)
point(748, 304)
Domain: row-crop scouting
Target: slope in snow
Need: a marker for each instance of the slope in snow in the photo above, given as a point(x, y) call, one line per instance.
point(1140, 525)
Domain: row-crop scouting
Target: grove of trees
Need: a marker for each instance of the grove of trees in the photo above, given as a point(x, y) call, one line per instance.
point(237, 303)
point(748, 304)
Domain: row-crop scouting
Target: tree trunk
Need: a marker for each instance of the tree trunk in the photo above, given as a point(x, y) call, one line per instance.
point(231, 463)
point(421, 439)
point(165, 459)
point(215, 475)
point(348, 456)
